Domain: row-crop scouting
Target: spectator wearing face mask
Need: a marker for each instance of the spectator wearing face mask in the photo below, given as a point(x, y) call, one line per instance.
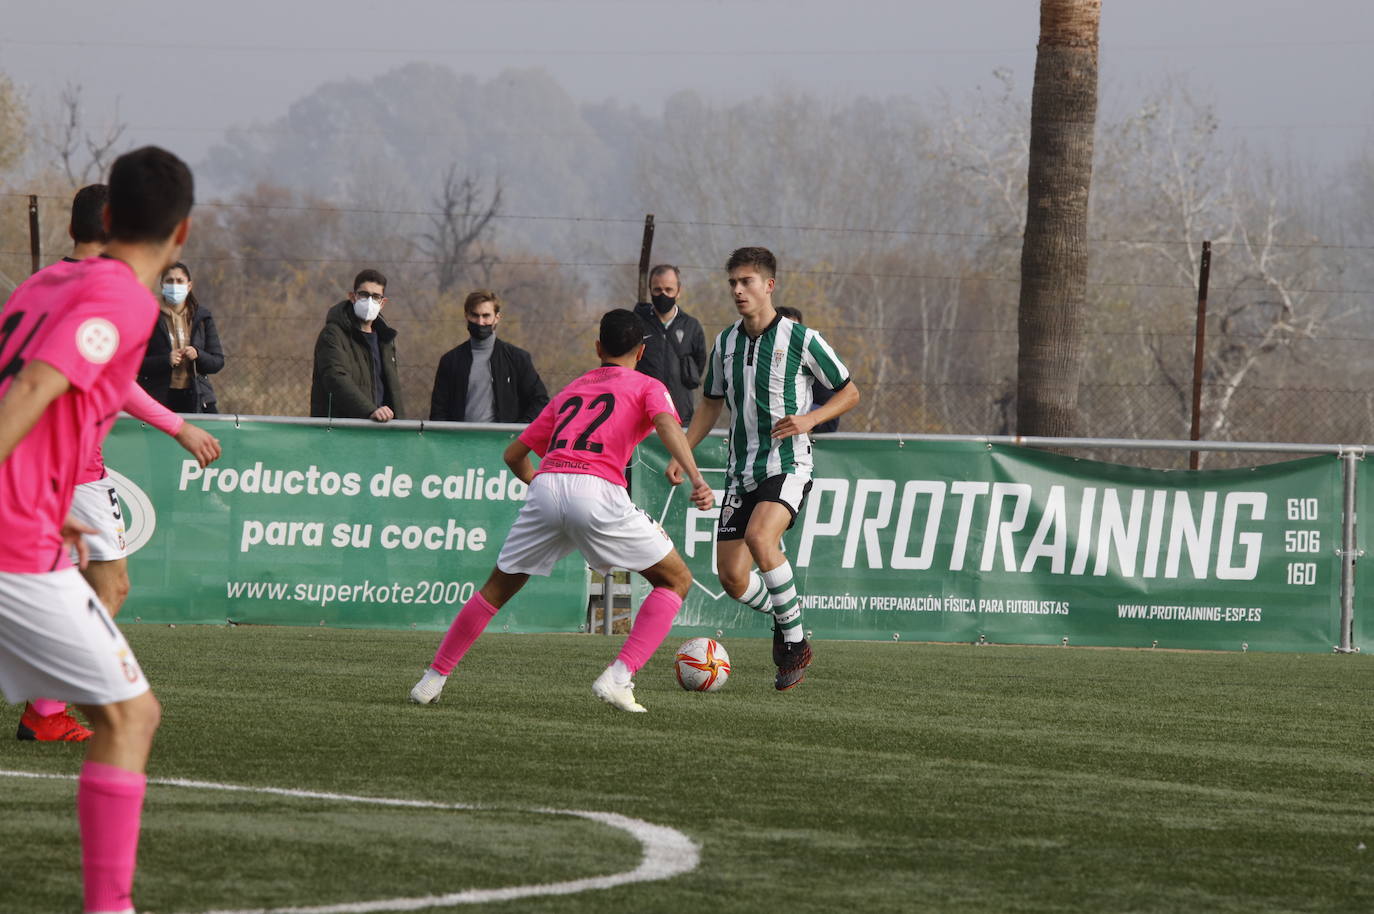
point(183, 350)
point(355, 374)
point(674, 343)
point(486, 379)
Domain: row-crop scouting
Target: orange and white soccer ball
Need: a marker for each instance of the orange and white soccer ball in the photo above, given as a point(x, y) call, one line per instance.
point(702, 665)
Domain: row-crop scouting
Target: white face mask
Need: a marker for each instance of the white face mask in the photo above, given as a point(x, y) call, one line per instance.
point(367, 308)
point(175, 292)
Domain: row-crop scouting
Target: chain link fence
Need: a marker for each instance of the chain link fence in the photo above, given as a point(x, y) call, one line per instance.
point(930, 339)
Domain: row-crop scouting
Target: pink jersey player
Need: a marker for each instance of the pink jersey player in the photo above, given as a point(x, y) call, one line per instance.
point(90, 321)
point(71, 342)
point(94, 500)
point(577, 501)
point(594, 424)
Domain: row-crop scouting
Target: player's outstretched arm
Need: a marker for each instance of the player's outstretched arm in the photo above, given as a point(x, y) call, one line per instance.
point(199, 443)
point(703, 420)
point(36, 386)
point(517, 457)
point(141, 405)
point(845, 399)
point(676, 443)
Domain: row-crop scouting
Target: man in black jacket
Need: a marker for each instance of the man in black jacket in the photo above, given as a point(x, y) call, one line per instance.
point(486, 379)
point(355, 374)
point(674, 343)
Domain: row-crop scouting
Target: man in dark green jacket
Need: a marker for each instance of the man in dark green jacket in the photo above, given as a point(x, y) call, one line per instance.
point(355, 373)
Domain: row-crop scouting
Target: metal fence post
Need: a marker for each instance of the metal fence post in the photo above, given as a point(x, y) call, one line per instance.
point(1349, 547)
point(35, 242)
point(608, 595)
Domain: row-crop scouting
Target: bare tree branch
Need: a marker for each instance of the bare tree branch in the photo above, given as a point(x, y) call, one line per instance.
point(463, 219)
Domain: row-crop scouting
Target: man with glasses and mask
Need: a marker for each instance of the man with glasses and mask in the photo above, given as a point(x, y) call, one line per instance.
point(674, 343)
point(486, 379)
point(355, 373)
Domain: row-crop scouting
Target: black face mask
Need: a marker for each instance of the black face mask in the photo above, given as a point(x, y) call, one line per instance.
point(664, 303)
point(480, 331)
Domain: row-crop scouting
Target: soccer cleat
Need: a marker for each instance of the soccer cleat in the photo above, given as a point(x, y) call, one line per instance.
point(796, 657)
point(55, 728)
point(779, 647)
point(429, 688)
point(618, 695)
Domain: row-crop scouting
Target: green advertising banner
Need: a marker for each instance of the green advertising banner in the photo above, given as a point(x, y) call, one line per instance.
point(965, 541)
point(383, 526)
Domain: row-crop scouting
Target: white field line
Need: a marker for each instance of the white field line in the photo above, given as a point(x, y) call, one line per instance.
point(667, 852)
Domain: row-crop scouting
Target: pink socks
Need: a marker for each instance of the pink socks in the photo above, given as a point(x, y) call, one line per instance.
point(471, 621)
point(651, 627)
point(46, 707)
point(109, 807)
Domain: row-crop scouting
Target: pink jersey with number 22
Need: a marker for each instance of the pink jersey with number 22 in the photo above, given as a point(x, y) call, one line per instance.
point(593, 424)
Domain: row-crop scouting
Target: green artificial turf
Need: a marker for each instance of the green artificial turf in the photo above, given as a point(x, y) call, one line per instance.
point(897, 777)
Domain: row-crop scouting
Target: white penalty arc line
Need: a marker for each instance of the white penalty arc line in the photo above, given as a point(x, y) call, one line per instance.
point(667, 851)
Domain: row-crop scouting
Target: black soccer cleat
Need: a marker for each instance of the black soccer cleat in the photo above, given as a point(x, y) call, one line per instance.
point(792, 661)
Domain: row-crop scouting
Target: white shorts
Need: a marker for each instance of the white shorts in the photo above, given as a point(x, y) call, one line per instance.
point(57, 641)
point(567, 511)
point(96, 505)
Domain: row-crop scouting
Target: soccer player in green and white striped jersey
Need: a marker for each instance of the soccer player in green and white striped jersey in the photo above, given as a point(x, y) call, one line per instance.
point(763, 367)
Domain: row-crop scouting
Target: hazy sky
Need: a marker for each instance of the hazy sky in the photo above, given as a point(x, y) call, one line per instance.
point(1296, 74)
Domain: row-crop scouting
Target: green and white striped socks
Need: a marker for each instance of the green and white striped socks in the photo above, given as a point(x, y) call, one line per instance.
point(786, 604)
point(755, 596)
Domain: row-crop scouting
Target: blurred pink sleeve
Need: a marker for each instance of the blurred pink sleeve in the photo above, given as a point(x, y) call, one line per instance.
point(143, 407)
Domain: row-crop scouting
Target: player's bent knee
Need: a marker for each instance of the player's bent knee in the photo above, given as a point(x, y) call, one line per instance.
point(119, 592)
point(110, 581)
point(670, 572)
point(762, 543)
point(735, 584)
point(133, 721)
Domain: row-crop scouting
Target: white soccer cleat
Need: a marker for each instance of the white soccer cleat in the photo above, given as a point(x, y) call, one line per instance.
point(428, 689)
point(617, 694)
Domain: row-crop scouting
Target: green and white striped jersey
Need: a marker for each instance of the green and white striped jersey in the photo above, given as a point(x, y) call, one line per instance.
point(762, 380)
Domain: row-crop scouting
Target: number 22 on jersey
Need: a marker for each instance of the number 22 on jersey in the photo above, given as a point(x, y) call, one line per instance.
point(573, 417)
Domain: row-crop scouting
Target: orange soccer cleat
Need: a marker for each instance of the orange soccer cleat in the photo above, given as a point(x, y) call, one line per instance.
point(55, 728)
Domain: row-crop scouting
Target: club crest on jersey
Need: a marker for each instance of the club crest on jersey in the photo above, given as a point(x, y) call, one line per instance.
point(127, 665)
point(97, 340)
point(777, 357)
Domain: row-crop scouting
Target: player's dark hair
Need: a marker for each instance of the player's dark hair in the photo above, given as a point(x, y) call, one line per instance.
point(666, 268)
point(760, 258)
point(621, 331)
point(192, 306)
point(151, 191)
point(88, 214)
point(370, 276)
point(787, 311)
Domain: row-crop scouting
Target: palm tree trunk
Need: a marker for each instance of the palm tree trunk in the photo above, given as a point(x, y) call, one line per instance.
point(1054, 252)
